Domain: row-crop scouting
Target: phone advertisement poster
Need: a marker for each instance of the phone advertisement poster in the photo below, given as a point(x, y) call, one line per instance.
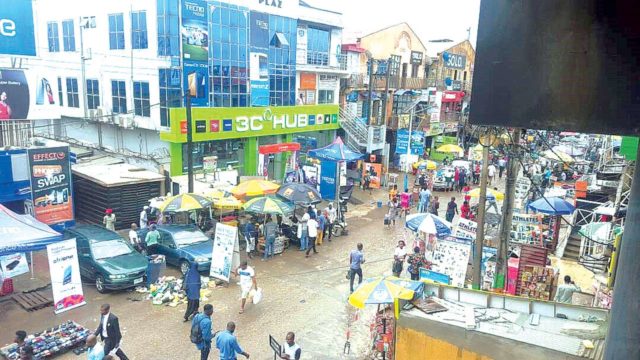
point(224, 253)
point(65, 276)
point(51, 184)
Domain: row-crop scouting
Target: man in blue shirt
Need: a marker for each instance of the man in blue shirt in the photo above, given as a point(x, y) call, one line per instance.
point(95, 350)
point(228, 345)
point(356, 259)
point(203, 320)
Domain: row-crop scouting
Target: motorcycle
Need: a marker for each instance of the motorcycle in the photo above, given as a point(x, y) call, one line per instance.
point(340, 225)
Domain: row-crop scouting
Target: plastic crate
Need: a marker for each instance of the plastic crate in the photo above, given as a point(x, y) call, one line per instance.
point(7, 287)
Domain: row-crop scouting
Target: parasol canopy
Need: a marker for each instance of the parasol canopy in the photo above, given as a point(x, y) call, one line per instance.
point(268, 205)
point(557, 156)
point(224, 200)
point(299, 193)
point(428, 223)
point(552, 206)
point(254, 187)
point(380, 290)
point(450, 148)
point(491, 194)
point(425, 164)
point(569, 150)
point(23, 233)
point(336, 151)
point(184, 202)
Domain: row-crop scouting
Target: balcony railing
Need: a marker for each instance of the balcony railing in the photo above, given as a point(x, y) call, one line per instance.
point(15, 132)
point(321, 58)
point(379, 82)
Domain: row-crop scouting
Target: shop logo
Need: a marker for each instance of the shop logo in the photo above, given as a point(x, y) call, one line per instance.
point(214, 125)
point(227, 125)
point(320, 119)
point(274, 3)
point(7, 27)
point(312, 119)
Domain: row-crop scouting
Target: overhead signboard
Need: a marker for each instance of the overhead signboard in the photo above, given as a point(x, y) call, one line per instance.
point(16, 28)
point(416, 57)
point(51, 184)
point(454, 61)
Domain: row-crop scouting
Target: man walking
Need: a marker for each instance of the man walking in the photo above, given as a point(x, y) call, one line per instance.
point(452, 209)
point(331, 219)
point(312, 227)
point(247, 282)
point(95, 350)
point(322, 222)
point(303, 232)
point(201, 333)
point(192, 284)
point(248, 232)
point(228, 345)
point(356, 259)
point(144, 217)
point(491, 172)
point(109, 331)
point(270, 232)
point(502, 163)
point(291, 350)
point(425, 198)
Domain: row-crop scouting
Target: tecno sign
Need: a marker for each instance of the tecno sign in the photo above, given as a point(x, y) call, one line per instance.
point(7, 27)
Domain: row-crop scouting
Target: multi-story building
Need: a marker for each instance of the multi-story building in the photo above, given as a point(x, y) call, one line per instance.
point(114, 71)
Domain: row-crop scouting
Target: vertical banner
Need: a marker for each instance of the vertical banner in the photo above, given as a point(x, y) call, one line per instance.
point(258, 58)
point(65, 275)
point(224, 245)
point(301, 45)
point(195, 50)
point(328, 174)
point(51, 184)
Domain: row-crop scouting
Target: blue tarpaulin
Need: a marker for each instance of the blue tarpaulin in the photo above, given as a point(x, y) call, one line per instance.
point(23, 233)
point(336, 151)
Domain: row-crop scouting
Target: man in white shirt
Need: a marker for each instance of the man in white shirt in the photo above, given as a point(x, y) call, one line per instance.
point(312, 228)
point(144, 217)
point(247, 282)
point(332, 219)
point(491, 172)
point(399, 256)
point(133, 235)
point(291, 350)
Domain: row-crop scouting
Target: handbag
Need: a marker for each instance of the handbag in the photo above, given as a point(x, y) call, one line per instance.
point(348, 274)
point(397, 266)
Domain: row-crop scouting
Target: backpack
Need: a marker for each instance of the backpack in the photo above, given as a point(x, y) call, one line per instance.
point(196, 332)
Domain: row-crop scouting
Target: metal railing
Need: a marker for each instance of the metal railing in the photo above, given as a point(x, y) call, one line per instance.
point(15, 132)
point(321, 58)
point(379, 82)
point(353, 127)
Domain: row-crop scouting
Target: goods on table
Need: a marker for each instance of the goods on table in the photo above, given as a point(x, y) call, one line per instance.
point(537, 282)
point(50, 342)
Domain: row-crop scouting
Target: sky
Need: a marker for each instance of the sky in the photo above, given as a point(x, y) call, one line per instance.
point(430, 19)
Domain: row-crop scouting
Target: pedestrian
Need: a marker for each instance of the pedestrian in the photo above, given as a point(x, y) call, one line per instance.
point(312, 227)
point(405, 197)
point(322, 223)
point(456, 178)
point(435, 205)
point(448, 179)
point(394, 208)
point(399, 255)
point(367, 182)
point(417, 261)
point(491, 172)
point(291, 350)
point(228, 345)
point(20, 338)
point(462, 181)
point(303, 232)
point(201, 333)
point(332, 216)
point(452, 209)
point(247, 282)
point(425, 198)
point(465, 210)
point(249, 236)
point(192, 285)
point(109, 331)
point(356, 259)
point(144, 217)
point(109, 220)
point(502, 163)
point(151, 240)
point(26, 353)
point(95, 350)
point(270, 233)
point(393, 192)
point(565, 291)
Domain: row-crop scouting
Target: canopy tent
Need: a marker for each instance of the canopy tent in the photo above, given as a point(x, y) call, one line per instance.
point(552, 206)
point(336, 151)
point(23, 233)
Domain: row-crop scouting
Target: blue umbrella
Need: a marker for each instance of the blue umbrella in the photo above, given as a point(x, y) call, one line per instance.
point(336, 151)
point(428, 223)
point(552, 206)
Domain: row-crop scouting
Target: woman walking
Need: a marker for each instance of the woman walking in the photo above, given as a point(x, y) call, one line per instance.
point(399, 256)
point(417, 261)
point(192, 286)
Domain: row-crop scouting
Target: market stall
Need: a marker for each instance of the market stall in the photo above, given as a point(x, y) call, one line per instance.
point(269, 206)
point(51, 342)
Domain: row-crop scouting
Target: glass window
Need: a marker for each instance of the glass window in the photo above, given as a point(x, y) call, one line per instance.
point(73, 100)
point(116, 31)
point(318, 46)
point(139, 29)
point(141, 104)
point(93, 94)
point(229, 152)
point(325, 96)
point(68, 36)
point(282, 71)
point(118, 97)
point(53, 37)
point(60, 94)
point(170, 93)
point(168, 22)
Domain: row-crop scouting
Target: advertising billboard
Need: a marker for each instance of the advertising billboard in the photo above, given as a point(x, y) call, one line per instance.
point(51, 184)
point(195, 50)
point(28, 95)
point(64, 268)
point(259, 58)
point(16, 29)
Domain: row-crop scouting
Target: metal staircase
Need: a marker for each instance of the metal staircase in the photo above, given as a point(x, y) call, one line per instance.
point(356, 131)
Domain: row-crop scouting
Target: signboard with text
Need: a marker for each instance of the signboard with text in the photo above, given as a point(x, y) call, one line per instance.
point(222, 258)
point(65, 275)
point(416, 57)
point(195, 50)
point(454, 61)
point(16, 28)
point(417, 142)
point(51, 184)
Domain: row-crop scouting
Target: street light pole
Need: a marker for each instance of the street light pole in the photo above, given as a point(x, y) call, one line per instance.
point(189, 145)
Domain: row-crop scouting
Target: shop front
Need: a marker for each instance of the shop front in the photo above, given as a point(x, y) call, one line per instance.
point(235, 135)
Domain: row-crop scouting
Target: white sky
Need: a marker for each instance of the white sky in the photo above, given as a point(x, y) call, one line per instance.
point(430, 19)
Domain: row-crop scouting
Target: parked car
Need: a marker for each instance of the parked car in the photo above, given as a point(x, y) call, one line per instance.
point(182, 245)
point(439, 183)
point(106, 258)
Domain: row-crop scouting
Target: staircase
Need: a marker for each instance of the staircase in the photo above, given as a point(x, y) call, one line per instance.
point(572, 249)
point(356, 131)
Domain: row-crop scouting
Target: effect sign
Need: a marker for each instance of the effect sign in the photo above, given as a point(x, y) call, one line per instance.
point(16, 29)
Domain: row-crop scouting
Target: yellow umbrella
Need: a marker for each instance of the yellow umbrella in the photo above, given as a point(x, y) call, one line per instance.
point(184, 202)
point(558, 156)
point(224, 200)
point(255, 187)
point(428, 164)
point(382, 290)
point(450, 148)
point(490, 193)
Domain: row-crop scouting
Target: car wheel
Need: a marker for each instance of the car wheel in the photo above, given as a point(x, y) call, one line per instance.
point(184, 267)
point(100, 284)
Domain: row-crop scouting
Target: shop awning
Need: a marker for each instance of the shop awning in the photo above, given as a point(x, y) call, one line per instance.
point(22, 233)
point(278, 148)
point(452, 96)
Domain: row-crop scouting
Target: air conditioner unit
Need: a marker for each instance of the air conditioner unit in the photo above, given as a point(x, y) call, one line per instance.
point(121, 120)
point(128, 122)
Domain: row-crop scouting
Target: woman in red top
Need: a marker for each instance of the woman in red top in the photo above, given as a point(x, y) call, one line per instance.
point(5, 109)
point(465, 210)
point(404, 201)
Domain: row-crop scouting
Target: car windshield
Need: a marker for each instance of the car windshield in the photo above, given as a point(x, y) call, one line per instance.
point(109, 248)
point(185, 238)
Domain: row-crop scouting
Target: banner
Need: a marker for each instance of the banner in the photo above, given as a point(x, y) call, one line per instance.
point(222, 258)
point(328, 175)
point(375, 172)
point(465, 229)
point(195, 50)
point(16, 28)
point(51, 184)
point(13, 265)
point(259, 58)
point(65, 275)
point(451, 257)
point(417, 142)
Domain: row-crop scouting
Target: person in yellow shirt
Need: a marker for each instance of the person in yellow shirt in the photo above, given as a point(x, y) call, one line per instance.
point(393, 193)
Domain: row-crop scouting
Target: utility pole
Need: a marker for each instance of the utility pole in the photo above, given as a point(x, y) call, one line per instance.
point(370, 95)
point(87, 22)
point(513, 168)
point(189, 145)
point(482, 209)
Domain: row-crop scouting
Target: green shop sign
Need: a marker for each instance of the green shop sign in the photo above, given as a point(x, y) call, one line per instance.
point(233, 123)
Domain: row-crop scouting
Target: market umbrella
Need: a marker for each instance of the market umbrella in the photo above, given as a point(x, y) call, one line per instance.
point(428, 223)
point(558, 156)
point(336, 151)
point(267, 205)
point(425, 164)
point(22, 233)
point(552, 206)
point(254, 187)
point(571, 139)
point(450, 148)
point(380, 290)
point(568, 133)
point(224, 200)
point(569, 150)
point(475, 193)
point(184, 202)
point(299, 193)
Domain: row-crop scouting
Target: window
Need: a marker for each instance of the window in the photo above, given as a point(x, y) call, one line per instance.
point(282, 61)
point(229, 152)
point(68, 36)
point(60, 94)
point(414, 70)
point(53, 37)
point(141, 104)
point(455, 74)
point(325, 96)
point(93, 94)
point(170, 93)
point(139, 29)
point(464, 76)
point(73, 100)
point(118, 97)
point(116, 32)
point(168, 28)
point(318, 46)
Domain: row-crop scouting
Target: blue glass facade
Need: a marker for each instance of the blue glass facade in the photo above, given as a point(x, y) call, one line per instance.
point(139, 30)
point(168, 28)
point(318, 42)
point(170, 93)
point(282, 60)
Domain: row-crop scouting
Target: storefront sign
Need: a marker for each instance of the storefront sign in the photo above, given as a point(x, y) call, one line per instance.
point(465, 229)
point(222, 258)
point(51, 184)
point(278, 148)
point(328, 82)
point(454, 61)
point(233, 123)
point(307, 81)
point(416, 57)
point(417, 142)
point(328, 171)
point(195, 50)
point(16, 29)
point(13, 265)
point(65, 275)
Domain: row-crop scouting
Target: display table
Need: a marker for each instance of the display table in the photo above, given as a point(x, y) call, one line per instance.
point(50, 342)
point(281, 243)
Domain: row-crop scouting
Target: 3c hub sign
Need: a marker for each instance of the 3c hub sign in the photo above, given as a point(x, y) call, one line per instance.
point(16, 29)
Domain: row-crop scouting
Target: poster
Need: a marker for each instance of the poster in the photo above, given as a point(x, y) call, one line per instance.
point(488, 268)
point(65, 275)
point(465, 229)
point(259, 79)
point(195, 50)
point(328, 180)
point(526, 229)
point(311, 175)
point(222, 259)
point(417, 142)
point(375, 172)
point(51, 184)
point(13, 265)
point(451, 257)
